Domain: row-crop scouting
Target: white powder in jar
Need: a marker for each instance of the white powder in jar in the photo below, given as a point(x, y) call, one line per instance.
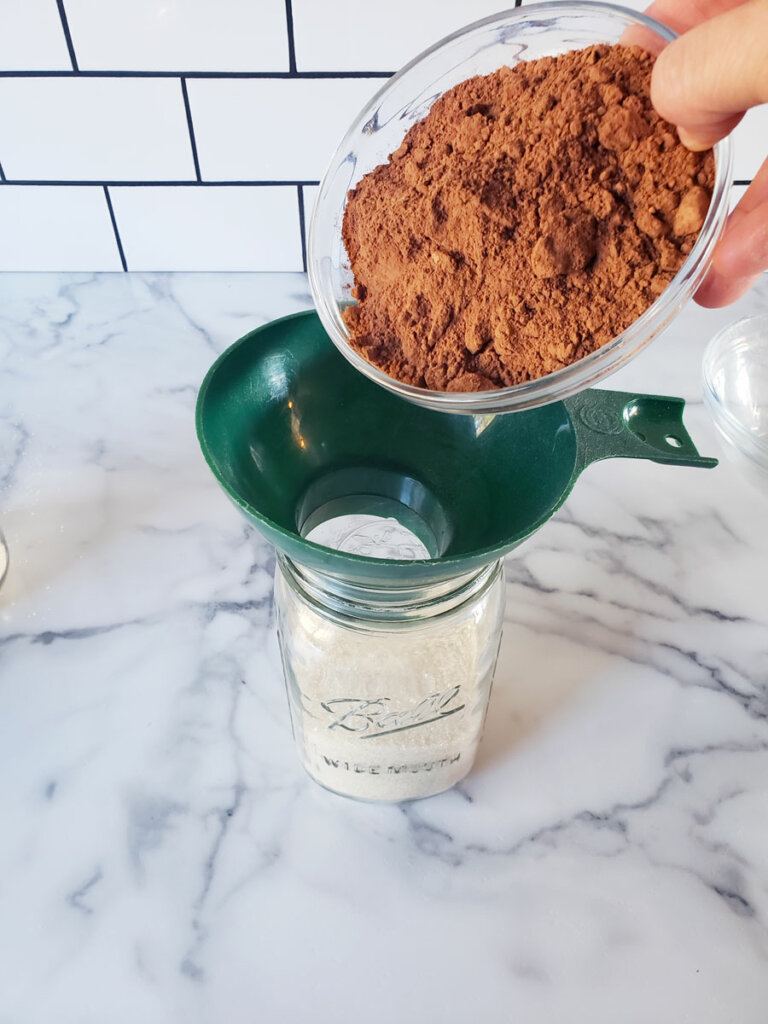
point(389, 713)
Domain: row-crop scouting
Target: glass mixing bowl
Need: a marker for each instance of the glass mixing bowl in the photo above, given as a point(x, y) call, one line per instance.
point(735, 387)
point(524, 33)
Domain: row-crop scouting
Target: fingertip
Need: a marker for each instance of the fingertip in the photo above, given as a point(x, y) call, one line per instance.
point(647, 39)
point(685, 92)
point(663, 84)
point(694, 142)
point(742, 252)
point(717, 290)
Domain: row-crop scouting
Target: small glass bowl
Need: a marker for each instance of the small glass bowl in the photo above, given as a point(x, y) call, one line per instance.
point(524, 33)
point(735, 386)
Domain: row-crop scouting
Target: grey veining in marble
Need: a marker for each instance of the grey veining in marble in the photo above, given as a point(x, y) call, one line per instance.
point(162, 856)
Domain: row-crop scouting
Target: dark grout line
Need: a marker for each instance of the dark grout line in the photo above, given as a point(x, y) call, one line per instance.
point(186, 183)
point(302, 227)
point(291, 40)
point(114, 228)
point(256, 75)
point(97, 183)
point(157, 184)
point(191, 128)
point(67, 34)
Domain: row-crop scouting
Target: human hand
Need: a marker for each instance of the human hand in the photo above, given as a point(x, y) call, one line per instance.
point(703, 83)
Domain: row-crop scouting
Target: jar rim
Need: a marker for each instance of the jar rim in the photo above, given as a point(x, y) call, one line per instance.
point(372, 608)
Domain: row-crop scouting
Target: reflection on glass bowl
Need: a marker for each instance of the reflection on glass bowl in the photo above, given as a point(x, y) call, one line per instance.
point(3, 558)
point(735, 386)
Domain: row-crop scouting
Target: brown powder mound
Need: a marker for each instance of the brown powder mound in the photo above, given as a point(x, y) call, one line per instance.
point(527, 220)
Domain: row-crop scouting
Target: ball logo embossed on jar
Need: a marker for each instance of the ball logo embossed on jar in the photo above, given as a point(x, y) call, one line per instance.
point(370, 536)
point(601, 420)
point(377, 717)
point(381, 540)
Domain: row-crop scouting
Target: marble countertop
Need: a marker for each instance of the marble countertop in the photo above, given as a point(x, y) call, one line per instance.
point(163, 858)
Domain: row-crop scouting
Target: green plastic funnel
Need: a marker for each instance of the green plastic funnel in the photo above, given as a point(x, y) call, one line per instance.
point(295, 436)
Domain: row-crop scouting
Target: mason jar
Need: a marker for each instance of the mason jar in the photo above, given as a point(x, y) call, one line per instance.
point(388, 687)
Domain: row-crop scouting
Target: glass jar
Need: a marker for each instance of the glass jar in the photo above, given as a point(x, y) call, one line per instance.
point(388, 687)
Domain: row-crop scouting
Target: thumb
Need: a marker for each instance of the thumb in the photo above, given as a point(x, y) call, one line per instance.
point(742, 253)
point(705, 80)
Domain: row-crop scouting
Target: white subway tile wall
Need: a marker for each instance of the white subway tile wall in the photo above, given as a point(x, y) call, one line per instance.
point(56, 228)
point(125, 124)
point(31, 38)
point(750, 143)
point(225, 228)
point(94, 129)
point(346, 35)
point(272, 129)
point(179, 35)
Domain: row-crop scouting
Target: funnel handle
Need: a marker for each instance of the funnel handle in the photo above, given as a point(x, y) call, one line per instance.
point(620, 424)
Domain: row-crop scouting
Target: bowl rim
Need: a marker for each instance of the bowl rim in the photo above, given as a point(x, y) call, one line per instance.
point(605, 360)
point(724, 343)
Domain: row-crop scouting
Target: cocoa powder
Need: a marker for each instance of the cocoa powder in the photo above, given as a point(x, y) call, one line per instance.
point(531, 217)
